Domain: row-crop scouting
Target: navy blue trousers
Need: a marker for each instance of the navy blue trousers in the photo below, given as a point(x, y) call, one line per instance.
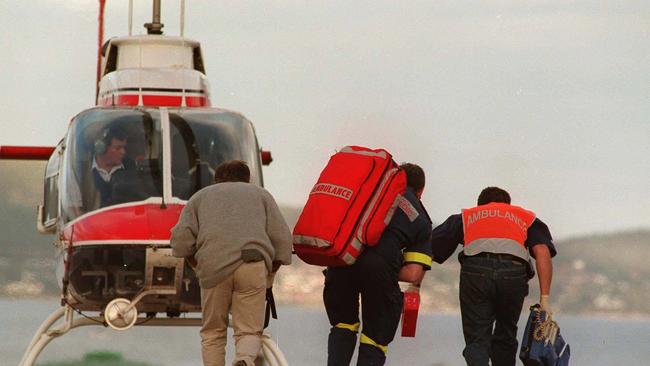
point(375, 282)
point(492, 292)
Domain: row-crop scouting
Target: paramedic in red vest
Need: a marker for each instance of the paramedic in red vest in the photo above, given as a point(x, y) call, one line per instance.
point(403, 253)
point(498, 239)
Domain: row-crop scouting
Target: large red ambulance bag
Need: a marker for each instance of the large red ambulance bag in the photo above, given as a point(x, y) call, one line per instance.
point(348, 207)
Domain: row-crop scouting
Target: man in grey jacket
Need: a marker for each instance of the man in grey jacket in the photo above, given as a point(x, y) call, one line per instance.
point(236, 233)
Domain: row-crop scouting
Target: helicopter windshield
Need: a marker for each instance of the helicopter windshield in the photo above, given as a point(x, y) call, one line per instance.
point(201, 140)
point(112, 156)
point(115, 156)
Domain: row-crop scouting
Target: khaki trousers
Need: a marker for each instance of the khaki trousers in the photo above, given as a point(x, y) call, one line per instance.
point(243, 294)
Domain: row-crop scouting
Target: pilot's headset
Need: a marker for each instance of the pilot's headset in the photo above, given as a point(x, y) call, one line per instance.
point(101, 145)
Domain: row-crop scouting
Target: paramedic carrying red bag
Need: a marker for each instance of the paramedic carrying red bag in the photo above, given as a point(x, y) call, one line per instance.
point(349, 206)
point(371, 231)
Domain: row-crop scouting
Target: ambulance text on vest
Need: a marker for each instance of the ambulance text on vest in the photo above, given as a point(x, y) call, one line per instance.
point(332, 190)
point(483, 214)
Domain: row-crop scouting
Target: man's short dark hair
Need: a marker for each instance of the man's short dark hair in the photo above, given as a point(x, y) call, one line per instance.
point(493, 194)
point(414, 176)
point(114, 132)
point(232, 171)
point(108, 134)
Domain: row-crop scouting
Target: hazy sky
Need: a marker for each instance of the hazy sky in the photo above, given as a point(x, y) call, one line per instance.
point(548, 99)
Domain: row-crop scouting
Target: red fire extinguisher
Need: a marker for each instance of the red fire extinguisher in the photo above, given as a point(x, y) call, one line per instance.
point(410, 311)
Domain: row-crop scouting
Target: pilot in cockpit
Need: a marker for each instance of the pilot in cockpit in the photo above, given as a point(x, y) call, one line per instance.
point(110, 153)
point(94, 186)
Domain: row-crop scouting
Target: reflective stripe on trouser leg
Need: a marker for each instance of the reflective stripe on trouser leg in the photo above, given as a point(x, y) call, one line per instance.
point(367, 340)
point(351, 327)
point(371, 353)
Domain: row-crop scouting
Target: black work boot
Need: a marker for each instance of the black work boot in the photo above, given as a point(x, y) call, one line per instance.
point(340, 346)
point(370, 356)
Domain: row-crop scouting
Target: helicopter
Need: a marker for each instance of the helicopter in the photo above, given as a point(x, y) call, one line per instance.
point(154, 133)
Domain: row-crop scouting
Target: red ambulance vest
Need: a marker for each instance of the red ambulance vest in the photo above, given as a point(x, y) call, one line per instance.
point(497, 228)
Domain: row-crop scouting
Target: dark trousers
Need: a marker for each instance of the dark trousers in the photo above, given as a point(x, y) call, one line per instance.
point(381, 302)
point(492, 292)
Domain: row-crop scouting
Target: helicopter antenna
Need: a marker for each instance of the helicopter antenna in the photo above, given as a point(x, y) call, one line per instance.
point(182, 18)
point(155, 27)
point(130, 18)
point(100, 39)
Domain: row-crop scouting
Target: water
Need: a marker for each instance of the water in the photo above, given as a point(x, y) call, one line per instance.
point(302, 335)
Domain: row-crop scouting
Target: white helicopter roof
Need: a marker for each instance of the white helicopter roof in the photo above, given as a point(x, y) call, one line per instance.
point(152, 51)
point(155, 39)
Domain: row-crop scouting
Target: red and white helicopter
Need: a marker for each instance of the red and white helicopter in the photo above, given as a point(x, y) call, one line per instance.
point(154, 134)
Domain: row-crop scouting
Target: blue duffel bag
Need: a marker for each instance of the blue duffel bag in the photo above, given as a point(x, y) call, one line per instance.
point(543, 344)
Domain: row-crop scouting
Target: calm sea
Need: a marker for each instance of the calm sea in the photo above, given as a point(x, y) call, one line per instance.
point(302, 335)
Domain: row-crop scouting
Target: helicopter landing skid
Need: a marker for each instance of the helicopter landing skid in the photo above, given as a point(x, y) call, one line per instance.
point(47, 332)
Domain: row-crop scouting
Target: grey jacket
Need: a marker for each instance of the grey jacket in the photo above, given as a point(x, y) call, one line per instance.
point(221, 220)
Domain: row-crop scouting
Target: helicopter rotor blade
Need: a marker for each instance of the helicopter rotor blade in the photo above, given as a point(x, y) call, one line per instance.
point(26, 152)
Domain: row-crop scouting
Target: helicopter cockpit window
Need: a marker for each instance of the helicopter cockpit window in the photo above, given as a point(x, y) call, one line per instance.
point(112, 156)
point(203, 139)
